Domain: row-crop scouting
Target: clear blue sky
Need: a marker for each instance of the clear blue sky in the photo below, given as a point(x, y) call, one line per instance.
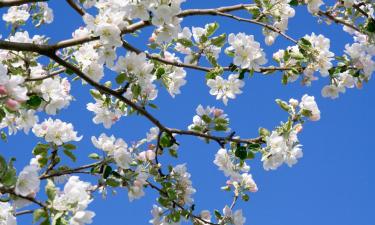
point(333, 183)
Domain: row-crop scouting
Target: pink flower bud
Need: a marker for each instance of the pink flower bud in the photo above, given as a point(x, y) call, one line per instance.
point(298, 128)
point(3, 90)
point(152, 38)
point(218, 112)
point(138, 183)
point(115, 118)
point(142, 156)
point(150, 155)
point(12, 104)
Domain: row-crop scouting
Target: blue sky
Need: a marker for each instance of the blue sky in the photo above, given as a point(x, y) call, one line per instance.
point(333, 183)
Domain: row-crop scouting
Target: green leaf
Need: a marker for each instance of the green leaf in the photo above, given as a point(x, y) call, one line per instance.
point(185, 42)
point(3, 166)
point(264, 132)
point(175, 216)
point(160, 72)
point(9, 178)
point(283, 105)
point(69, 71)
point(370, 25)
point(293, 3)
point(250, 155)
point(107, 171)
point(306, 42)
point(40, 149)
point(173, 152)
point(165, 141)
point(241, 152)
point(219, 41)
point(34, 101)
point(2, 114)
point(69, 146)
point(3, 135)
point(50, 190)
point(112, 182)
point(206, 119)
point(211, 28)
point(38, 214)
point(94, 156)
point(70, 155)
point(120, 78)
point(245, 197)
point(218, 214)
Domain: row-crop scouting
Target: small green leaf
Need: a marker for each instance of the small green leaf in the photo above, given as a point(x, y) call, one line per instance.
point(185, 42)
point(293, 3)
point(3, 166)
point(173, 152)
point(40, 149)
point(34, 101)
point(241, 152)
point(70, 155)
point(218, 214)
point(69, 146)
point(112, 182)
point(219, 41)
point(50, 190)
point(165, 141)
point(94, 156)
point(38, 214)
point(120, 78)
point(370, 25)
point(211, 28)
point(160, 72)
point(107, 172)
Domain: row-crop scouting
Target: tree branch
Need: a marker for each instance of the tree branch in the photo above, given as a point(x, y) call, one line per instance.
point(9, 3)
point(76, 7)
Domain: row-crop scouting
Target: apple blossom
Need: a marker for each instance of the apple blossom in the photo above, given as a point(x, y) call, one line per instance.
point(6, 214)
point(56, 131)
point(247, 52)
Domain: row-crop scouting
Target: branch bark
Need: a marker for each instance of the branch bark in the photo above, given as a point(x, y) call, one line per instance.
point(9, 3)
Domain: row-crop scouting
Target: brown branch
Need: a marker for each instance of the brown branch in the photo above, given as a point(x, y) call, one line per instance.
point(216, 138)
point(186, 13)
point(338, 21)
point(76, 7)
point(30, 199)
point(50, 75)
point(129, 47)
point(9, 3)
point(24, 212)
point(179, 205)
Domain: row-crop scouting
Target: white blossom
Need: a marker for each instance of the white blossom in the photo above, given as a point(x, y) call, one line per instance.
point(56, 92)
point(308, 103)
point(56, 131)
point(17, 14)
point(322, 56)
point(28, 181)
point(104, 113)
point(314, 5)
point(184, 186)
point(224, 89)
point(75, 197)
point(247, 52)
point(82, 217)
point(6, 214)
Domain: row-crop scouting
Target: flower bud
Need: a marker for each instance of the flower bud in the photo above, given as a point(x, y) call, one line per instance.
point(3, 90)
point(12, 104)
point(150, 155)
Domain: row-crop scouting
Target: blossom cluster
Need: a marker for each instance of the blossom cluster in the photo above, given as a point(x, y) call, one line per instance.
point(209, 119)
point(282, 145)
point(56, 131)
